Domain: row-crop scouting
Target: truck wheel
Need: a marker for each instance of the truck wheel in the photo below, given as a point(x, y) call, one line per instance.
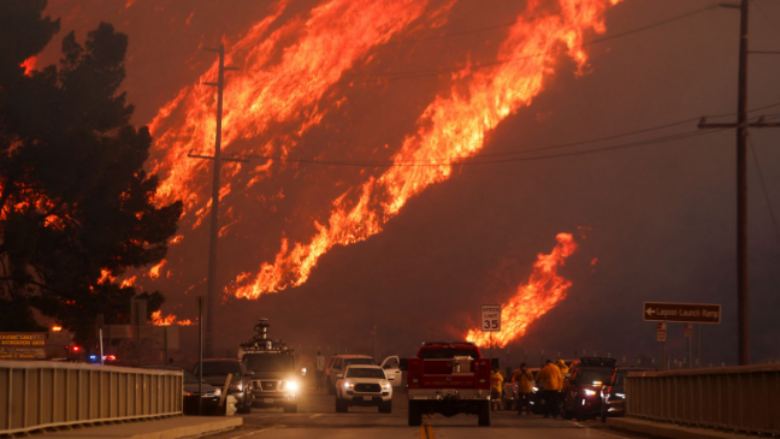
point(341, 406)
point(386, 407)
point(291, 408)
point(415, 414)
point(484, 414)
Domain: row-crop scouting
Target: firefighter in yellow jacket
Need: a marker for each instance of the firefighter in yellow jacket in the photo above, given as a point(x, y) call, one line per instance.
point(551, 379)
point(525, 383)
point(496, 387)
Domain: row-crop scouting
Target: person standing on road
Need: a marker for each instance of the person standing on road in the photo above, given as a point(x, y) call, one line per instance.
point(319, 366)
point(525, 383)
point(552, 378)
point(496, 386)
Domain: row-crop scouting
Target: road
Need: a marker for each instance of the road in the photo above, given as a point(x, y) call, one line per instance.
point(316, 418)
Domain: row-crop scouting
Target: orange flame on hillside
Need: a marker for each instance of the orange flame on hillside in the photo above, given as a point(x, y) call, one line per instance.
point(154, 272)
point(453, 128)
point(544, 289)
point(159, 320)
point(336, 35)
point(29, 65)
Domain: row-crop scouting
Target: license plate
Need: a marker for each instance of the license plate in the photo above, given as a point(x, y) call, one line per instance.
point(268, 400)
point(367, 398)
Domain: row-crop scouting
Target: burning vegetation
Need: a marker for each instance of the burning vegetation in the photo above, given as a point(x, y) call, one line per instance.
point(544, 289)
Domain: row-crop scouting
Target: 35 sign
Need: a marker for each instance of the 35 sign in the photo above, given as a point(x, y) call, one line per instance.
point(491, 318)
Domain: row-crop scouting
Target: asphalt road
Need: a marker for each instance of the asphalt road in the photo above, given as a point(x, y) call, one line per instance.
point(316, 418)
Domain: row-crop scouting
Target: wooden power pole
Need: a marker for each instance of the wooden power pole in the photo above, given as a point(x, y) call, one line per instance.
point(743, 314)
point(211, 292)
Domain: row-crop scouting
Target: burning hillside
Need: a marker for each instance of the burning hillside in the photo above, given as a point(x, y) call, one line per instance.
point(544, 289)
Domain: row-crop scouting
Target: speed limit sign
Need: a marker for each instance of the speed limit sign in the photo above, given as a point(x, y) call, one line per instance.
point(491, 318)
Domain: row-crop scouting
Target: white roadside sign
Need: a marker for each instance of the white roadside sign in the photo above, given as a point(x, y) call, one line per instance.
point(491, 318)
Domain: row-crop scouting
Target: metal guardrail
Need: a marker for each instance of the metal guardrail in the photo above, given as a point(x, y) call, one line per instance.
point(39, 394)
point(743, 399)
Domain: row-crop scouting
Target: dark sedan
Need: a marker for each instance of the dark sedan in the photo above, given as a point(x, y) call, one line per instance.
point(613, 395)
point(194, 390)
point(216, 371)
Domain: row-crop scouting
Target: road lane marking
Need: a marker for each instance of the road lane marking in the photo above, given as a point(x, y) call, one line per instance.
point(315, 416)
point(426, 430)
point(252, 433)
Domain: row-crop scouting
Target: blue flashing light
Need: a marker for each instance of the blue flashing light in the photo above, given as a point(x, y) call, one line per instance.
point(93, 357)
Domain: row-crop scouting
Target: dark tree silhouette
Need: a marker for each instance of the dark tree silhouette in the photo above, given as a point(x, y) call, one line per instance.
point(74, 197)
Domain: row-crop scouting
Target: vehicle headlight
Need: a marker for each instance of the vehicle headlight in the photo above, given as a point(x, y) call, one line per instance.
point(348, 385)
point(217, 392)
point(387, 386)
point(589, 392)
point(237, 386)
point(621, 395)
point(291, 386)
point(535, 389)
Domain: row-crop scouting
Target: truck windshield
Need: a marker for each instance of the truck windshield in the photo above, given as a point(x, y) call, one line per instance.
point(269, 363)
point(348, 361)
point(364, 372)
point(447, 353)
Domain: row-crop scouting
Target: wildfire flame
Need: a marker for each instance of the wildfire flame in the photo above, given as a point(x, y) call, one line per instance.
point(544, 289)
point(154, 272)
point(29, 65)
point(262, 92)
point(159, 320)
point(454, 127)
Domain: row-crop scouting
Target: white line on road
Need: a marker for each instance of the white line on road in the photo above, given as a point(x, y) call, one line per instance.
point(252, 432)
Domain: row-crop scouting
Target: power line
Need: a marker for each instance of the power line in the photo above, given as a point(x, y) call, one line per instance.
point(423, 73)
point(475, 160)
point(616, 136)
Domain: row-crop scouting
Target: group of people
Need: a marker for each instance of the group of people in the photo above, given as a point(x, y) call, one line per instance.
point(549, 381)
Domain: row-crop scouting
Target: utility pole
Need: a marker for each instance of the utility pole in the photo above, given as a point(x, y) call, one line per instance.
point(743, 312)
point(211, 291)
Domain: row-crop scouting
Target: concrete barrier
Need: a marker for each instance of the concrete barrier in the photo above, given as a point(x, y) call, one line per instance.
point(742, 399)
point(42, 394)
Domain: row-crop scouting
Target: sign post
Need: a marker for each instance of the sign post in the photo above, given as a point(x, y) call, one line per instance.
point(689, 337)
point(661, 337)
point(688, 313)
point(23, 345)
point(491, 321)
point(681, 312)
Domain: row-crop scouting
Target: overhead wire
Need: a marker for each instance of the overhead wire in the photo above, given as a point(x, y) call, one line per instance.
point(433, 72)
point(491, 157)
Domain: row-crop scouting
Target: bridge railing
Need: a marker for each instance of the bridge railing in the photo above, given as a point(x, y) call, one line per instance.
point(743, 398)
point(41, 394)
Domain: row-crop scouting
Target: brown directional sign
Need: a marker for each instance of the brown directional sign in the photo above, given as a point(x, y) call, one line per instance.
point(682, 312)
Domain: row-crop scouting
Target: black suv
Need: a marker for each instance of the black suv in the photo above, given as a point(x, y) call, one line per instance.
point(582, 391)
point(215, 372)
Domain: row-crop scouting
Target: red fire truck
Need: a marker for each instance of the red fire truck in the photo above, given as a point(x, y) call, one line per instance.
point(449, 378)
